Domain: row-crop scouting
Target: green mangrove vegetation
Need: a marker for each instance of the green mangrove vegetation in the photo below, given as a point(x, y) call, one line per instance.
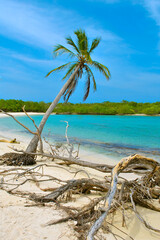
point(105, 108)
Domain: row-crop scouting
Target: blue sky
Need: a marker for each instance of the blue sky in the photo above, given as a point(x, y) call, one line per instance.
point(130, 47)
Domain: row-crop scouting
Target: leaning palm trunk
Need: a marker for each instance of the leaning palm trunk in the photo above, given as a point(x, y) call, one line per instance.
point(34, 142)
point(82, 63)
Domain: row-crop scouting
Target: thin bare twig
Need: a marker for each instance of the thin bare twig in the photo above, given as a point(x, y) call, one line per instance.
point(140, 217)
point(38, 133)
point(30, 131)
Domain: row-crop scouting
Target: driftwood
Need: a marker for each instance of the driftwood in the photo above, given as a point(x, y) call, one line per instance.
point(70, 156)
point(67, 154)
point(141, 168)
point(16, 159)
point(10, 141)
point(89, 219)
point(109, 198)
point(34, 133)
point(77, 186)
point(23, 158)
point(114, 193)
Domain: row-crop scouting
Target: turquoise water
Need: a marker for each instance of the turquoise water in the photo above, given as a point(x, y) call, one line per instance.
point(111, 135)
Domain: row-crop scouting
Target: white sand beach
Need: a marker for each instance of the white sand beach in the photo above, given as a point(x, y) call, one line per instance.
point(92, 170)
point(21, 220)
point(19, 114)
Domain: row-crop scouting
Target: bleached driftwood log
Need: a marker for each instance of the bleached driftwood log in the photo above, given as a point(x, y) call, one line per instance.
point(121, 194)
point(123, 164)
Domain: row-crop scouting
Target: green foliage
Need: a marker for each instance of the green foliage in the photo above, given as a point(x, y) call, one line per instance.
point(105, 108)
point(12, 105)
point(82, 64)
point(109, 108)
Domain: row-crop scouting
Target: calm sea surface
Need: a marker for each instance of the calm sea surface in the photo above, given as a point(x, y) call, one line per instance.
point(115, 136)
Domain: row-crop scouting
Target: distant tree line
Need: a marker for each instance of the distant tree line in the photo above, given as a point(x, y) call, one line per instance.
point(105, 108)
point(12, 105)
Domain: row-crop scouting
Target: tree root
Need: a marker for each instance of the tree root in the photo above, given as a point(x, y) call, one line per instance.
point(114, 195)
point(77, 186)
point(113, 188)
point(16, 159)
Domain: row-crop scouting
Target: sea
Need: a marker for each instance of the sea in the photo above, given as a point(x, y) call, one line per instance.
point(112, 136)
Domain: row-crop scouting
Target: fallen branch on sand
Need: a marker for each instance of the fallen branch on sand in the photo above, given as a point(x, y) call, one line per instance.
point(110, 196)
point(90, 219)
point(114, 194)
point(10, 141)
point(64, 152)
point(16, 159)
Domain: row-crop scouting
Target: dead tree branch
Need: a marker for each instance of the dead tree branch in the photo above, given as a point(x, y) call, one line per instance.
point(81, 185)
point(38, 133)
point(119, 196)
point(123, 164)
point(30, 131)
point(140, 217)
point(10, 115)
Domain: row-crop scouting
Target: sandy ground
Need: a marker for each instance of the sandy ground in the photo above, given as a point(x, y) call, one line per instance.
point(21, 221)
point(19, 114)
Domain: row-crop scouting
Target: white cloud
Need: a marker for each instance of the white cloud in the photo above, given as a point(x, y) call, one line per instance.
point(15, 65)
point(30, 24)
point(153, 7)
point(43, 27)
point(22, 57)
point(106, 35)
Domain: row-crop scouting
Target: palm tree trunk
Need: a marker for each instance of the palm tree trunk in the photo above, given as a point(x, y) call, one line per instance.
point(34, 142)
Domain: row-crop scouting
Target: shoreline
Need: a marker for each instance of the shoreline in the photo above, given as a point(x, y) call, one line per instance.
point(83, 152)
point(111, 154)
point(2, 115)
point(66, 113)
point(136, 114)
point(28, 222)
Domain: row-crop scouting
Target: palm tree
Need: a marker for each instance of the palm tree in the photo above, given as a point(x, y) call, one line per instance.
point(75, 69)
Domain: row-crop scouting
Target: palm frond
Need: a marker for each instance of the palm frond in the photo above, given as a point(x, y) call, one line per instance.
point(82, 41)
point(71, 88)
point(94, 44)
point(73, 84)
point(78, 33)
point(60, 49)
point(70, 70)
point(58, 68)
point(87, 86)
point(66, 97)
point(74, 87)
point(92, 75)
point(80, 73)
point(71, 42)
point(103, 69)
point(82, 51)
